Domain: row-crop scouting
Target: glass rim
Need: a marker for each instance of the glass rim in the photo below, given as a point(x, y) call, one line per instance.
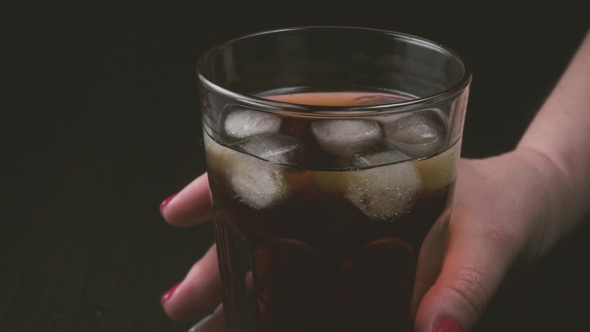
point(304, 110)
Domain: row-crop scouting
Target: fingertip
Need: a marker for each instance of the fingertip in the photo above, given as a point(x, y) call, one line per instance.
point(470, 276)
point(198, 293)
point(168, 294)
point(447, 324)
point(174, 304)
point(165, 203)
point(190, 206)
point(170, 304)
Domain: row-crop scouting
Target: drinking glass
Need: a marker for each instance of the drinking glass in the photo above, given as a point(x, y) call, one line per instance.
point(332, 156)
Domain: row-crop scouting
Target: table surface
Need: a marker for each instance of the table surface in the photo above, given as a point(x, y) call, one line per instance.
point(101, 123)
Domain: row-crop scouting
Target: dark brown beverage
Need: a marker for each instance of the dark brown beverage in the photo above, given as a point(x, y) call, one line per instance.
point(319, 223)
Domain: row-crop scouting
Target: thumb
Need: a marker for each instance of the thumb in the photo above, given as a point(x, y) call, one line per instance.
point(474, 266)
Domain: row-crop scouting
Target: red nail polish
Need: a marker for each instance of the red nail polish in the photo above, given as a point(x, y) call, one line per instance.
point(168, 294)
point(165, 202)
point(447, 324)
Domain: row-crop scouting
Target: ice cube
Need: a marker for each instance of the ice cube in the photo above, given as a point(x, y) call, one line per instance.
point(244, 123)
point(258, 184)
point(385, 192)
point(416, 134)
point(277, 148)
point(440, 170)
point(382, 193)
point(377, 155)
point(343, 137)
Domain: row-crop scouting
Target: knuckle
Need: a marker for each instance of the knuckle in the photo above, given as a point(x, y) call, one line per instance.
point(501, 236)
point(468, 288)
point(506, 236)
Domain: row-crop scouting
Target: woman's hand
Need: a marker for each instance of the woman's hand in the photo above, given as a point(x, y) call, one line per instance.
point(504, 214)
point(200, 291)
point(508, 210)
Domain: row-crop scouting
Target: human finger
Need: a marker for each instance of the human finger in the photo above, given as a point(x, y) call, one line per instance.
point(430, 259)
point(211, 323)
point(190, 206)
point(476, 262)
point(198, 293)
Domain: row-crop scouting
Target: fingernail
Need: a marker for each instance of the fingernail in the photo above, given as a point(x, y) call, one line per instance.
point(165, 202)
point(447, 324)
point(197, 326)
point(168, 294)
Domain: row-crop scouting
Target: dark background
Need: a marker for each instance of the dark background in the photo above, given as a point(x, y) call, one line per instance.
point(100, 123)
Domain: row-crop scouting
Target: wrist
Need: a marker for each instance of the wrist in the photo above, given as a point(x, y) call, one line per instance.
point(563, 197)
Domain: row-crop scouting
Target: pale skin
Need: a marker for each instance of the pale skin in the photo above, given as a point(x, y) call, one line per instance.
point(492, 229)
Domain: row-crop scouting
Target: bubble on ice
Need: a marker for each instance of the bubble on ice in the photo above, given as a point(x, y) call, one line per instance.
point(258, 184)
point(244, 123)
point(277, 148)
point(417, 134)
point(343, 137)
point(385, 192)
point(388, 195)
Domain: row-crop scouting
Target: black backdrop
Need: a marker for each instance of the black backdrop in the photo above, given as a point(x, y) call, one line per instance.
point(100, 123)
